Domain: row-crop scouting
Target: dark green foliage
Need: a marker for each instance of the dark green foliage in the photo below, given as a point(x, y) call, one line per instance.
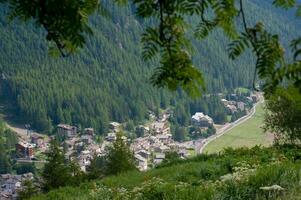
point(5, 164)
point(180, 134)
point(59, 172)
point(66, 25)
point(96, 169)
point(29, 189)
point(8, 139)
point(170, 157)
point(23, 168)
point(202, 177)
point(55, 173)
point(95, 86)
point(119, 157)
point(283, 115)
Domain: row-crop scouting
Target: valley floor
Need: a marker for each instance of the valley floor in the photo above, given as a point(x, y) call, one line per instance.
point(247, 134)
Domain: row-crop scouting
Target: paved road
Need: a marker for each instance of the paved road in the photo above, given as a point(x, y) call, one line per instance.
point(31, 161)
point(228, 127)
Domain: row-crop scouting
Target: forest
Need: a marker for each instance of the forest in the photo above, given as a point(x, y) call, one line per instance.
point(108, 80)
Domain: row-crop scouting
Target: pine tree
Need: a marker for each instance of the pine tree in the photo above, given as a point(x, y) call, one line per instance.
point(119, 157)
point(5, 166)
point(56, 172)
point(29, 189)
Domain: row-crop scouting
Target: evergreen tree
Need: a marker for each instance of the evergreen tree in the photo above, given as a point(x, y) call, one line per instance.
point(283, 115)
point(29, 189)
point(56, 173)
point(5, 165)
point(119, 157)
point(97, 168)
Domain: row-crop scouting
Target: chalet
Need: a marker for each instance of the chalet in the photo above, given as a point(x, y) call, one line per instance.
point(115, 126)
point(159, 158)
point(66, 130)
point(231, 108)
point(164, 138)
point(86, 139)
point(145, 154)
point(141, 162)
point(111, 137)
point(89, 131)
point(241, 106)
point(249, 99)
point(37, 140)
point(11, 184)
point(160, 128)
point(183, 153)
point(201, 120)
point(24, 150)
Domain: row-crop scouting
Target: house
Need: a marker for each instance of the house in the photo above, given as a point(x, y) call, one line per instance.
point(164, 138)
point(24, 150)
point(241, 106)
point(66, 130)
point(87, 139)
point(11, 184)
point(159, 158)
point(115, 127)
point(111, 137)
point(145, 154)
point(201, 120)
point(37, 140)
point(183, 153)
point(249, 99)
point(231, 108)
point(160, 128)
point(141, 162)
point(89, 131)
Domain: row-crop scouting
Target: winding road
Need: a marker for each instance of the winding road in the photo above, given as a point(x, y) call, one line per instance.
point(229, 126)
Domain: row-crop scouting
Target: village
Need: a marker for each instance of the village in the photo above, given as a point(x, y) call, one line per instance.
point(149, 150)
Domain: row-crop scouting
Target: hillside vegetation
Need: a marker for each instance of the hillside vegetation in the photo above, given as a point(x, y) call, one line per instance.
point(257, 173)
point(108, 79)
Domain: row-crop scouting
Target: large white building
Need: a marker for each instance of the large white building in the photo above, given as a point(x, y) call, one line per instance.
point(201, 120)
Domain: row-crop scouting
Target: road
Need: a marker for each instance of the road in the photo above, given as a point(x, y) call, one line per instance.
point(228, 127)
point(22, 132)
point(30, 161)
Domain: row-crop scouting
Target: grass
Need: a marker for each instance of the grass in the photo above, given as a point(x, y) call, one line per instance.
point(244, 171)
point(247, 134)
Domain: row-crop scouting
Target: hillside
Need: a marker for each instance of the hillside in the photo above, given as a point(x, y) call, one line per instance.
point(257, 173)
point(96, 85)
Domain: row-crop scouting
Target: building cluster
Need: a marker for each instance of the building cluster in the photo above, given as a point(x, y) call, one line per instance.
point(79, 147)
point(150, 150)
point(234, 106)
point(26, 149)
point(11, 184)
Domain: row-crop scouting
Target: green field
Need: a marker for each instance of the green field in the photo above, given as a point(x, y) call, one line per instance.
point(247, 134)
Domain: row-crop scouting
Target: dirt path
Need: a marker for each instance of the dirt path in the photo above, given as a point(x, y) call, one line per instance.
point(21, 132)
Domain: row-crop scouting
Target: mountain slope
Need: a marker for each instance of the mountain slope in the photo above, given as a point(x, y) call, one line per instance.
point(108, 80)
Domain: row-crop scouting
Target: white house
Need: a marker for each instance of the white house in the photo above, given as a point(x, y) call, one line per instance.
point(201, 120)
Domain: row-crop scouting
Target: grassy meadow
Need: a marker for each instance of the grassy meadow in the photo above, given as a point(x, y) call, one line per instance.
point(235, 174)
point(247, 134)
